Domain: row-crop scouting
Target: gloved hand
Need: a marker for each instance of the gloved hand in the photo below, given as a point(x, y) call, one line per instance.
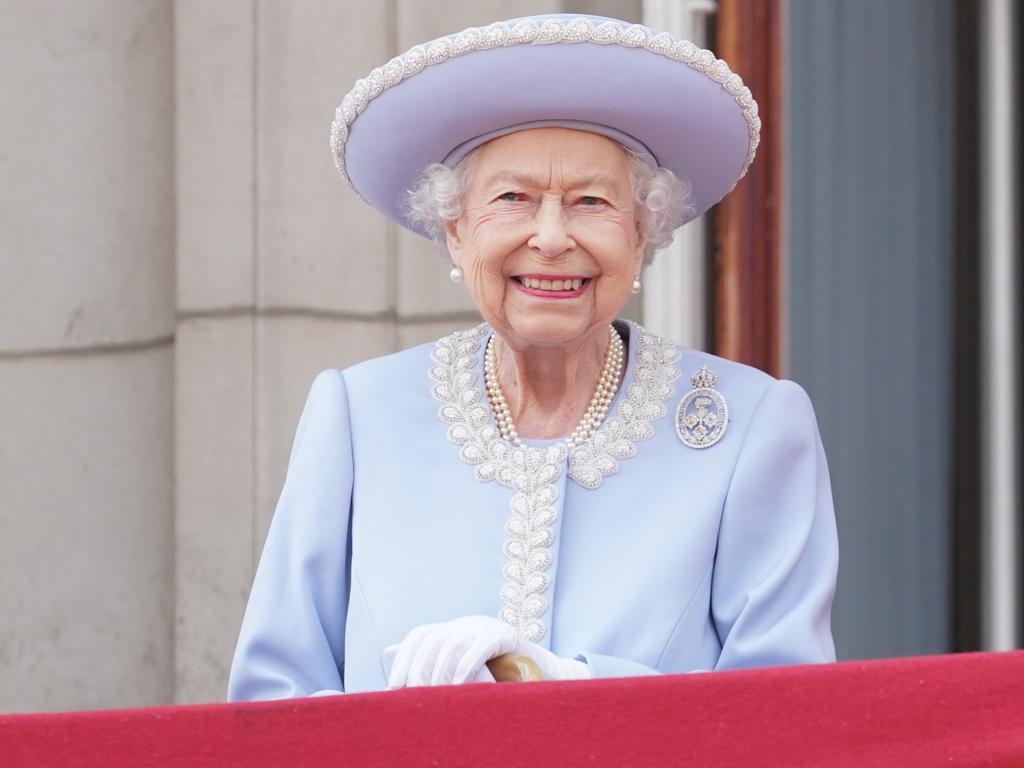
point(455, 652)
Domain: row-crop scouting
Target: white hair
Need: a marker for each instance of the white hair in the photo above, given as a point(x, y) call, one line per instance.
point(663, 200)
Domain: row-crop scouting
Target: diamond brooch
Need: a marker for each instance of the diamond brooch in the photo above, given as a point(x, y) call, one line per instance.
point(702, 415)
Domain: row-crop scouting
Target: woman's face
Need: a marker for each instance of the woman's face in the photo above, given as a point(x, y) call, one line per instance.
point(548, 238)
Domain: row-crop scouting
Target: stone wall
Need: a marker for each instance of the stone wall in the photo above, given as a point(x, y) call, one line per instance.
point(178, 259)
point(86, 354)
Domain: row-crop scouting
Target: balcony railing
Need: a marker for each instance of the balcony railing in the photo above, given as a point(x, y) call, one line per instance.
point(964, 710)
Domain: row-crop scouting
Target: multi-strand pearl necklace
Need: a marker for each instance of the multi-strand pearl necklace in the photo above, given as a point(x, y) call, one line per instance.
point(607, 386)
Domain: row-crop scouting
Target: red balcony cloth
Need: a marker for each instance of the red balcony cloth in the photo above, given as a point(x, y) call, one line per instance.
point(964, 710)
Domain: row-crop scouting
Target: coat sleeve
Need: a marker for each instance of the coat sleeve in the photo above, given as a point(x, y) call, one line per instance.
point(775, 567)
point(292, 639)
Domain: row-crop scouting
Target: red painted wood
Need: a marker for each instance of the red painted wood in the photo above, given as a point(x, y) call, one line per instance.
point(747, 229)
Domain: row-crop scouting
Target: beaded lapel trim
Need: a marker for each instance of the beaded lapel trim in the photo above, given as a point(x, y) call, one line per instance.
point(531, 472)
point(592, 461)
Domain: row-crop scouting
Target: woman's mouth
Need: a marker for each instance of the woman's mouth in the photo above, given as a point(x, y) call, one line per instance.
point(552, 286)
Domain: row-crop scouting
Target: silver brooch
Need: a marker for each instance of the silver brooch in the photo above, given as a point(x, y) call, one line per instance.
point(702, 415)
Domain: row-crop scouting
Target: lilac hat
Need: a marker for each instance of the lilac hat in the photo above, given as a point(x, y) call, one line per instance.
point(650, 91)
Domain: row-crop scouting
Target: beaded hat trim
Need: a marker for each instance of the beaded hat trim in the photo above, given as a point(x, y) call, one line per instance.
point(530, 32)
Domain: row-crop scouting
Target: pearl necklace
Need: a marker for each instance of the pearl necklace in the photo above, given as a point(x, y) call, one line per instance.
point(607, 386)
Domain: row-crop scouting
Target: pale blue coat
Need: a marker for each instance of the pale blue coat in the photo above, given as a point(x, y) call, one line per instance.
point(682, 559)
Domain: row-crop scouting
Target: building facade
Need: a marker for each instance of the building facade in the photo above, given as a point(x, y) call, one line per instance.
point(179, 258)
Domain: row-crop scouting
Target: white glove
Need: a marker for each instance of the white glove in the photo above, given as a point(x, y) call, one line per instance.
point(457, 651)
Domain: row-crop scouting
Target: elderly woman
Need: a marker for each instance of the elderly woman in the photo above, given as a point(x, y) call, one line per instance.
point(554, 483)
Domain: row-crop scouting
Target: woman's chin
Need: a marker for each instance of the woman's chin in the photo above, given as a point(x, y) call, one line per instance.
point(539, 320)
point(550, 328)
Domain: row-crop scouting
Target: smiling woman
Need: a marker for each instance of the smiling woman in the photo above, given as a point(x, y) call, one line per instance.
point(571, 522)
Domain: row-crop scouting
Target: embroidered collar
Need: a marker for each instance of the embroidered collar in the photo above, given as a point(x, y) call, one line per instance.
point(531, 471)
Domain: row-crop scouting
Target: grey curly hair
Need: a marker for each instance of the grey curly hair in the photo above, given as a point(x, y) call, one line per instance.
point(663, 200)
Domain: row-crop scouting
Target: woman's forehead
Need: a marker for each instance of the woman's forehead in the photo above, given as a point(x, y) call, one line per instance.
point(537, 154)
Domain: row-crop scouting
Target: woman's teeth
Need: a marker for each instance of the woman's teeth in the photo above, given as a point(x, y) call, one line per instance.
point(551, 285)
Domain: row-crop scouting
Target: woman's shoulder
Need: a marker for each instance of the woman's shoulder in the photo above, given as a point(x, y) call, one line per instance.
point(745, 390)
point(334, 384)
point(741, 380)
point(726, 371)
point(744, 381)
point(392, 374)
point(396, 364)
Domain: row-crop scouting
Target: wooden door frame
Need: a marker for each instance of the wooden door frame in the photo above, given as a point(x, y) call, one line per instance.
point(747, 225)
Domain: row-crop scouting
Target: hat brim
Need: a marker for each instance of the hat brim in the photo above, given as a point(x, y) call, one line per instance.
point(693, 122)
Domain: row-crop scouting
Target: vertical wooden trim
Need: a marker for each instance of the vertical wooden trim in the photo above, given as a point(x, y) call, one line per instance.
point(747, 228)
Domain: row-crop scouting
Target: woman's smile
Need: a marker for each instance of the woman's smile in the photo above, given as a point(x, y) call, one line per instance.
point(552, 286)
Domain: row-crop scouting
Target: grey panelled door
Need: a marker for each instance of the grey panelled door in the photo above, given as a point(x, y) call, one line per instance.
point(869, 280)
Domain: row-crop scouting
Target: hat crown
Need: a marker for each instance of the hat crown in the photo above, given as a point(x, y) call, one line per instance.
point(596, 42)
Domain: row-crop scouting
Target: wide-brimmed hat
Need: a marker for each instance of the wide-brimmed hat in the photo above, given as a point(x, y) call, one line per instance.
point(649, 90)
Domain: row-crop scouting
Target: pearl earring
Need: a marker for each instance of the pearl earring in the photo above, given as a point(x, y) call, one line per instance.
point(456, 274)
point(636, 285)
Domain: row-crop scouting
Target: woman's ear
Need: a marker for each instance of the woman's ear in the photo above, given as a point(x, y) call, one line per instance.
point(641, 244)
point(453, 240)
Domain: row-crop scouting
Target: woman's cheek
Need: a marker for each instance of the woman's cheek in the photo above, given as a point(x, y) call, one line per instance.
point(611, 236)
point(488, 284)
point(496, 233)
point(502, 219)
point(613, 289)
point(478, 276)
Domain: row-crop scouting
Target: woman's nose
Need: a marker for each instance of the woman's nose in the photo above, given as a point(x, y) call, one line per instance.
point(551, 236)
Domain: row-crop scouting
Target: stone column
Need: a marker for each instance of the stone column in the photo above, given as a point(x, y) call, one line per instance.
point(86, 324)
point(282, 272)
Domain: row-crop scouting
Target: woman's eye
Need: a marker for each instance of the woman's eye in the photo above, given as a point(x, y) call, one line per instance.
point(590, 200)
point(512, 197)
